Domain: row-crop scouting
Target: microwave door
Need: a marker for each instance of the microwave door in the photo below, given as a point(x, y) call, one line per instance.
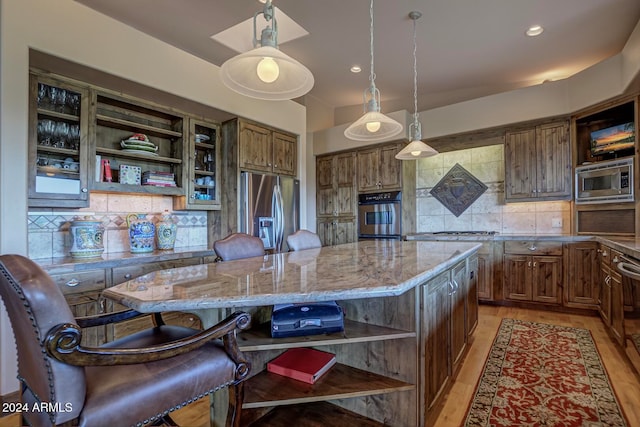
point(600, 183)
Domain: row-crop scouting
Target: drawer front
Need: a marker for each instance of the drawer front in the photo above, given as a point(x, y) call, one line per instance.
point(122, 274)
point(80, 281)
point(532, 247)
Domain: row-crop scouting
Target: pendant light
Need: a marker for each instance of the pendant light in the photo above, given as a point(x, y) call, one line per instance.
point(265, 72)
point(416, 147)
point(373, 126)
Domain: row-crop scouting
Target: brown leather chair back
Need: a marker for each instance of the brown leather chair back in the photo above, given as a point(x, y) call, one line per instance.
point(303, 239)
point(35, 304)
point(238, 246)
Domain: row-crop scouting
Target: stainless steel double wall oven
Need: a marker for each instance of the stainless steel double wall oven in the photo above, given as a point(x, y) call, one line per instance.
point(380, 215)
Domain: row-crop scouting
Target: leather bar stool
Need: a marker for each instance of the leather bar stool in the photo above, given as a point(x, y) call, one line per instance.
point(135, 380)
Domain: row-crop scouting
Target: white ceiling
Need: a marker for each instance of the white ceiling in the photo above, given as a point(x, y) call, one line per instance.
point(466, 48)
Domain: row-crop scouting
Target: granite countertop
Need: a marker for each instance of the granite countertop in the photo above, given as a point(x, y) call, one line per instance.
point(627, 245)
point(119, 259)
point(373, 268)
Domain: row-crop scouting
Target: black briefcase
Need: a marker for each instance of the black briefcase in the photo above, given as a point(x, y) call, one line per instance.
point(292, 320)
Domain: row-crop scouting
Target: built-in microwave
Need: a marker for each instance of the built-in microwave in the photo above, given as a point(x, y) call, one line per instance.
point(605, 182)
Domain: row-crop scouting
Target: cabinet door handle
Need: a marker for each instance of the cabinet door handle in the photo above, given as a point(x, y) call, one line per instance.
point(529, 263)
point(72, 282)
point(534, 264)
point(607, 279)
point(615, 259)
point(127, 276)
point(532, 248)
point(456, 286)
point(452, 291)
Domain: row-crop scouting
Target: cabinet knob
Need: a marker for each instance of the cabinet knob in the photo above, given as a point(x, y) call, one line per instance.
point(84, 190)
point(127, 276)
point(72, 282)
point(532, 248)
point(275, 165)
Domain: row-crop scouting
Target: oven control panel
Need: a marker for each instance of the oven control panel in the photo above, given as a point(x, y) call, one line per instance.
point(374, 198)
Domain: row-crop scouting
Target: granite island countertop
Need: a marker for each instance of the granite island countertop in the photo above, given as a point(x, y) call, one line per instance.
point(366, 269)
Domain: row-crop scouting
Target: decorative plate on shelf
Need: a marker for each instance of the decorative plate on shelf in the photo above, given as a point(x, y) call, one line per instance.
point(149, 146)
point(141, 152)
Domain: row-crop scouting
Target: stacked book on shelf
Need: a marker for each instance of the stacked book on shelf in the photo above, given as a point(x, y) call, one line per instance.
point(158, 179)
point(302, 364)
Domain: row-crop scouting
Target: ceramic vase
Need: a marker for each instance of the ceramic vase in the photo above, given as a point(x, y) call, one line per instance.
point(142, 233)
point(86, 235)
point(166, 232)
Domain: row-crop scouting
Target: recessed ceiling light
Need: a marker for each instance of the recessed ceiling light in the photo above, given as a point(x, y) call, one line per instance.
point(534, 30)
point(355, 69)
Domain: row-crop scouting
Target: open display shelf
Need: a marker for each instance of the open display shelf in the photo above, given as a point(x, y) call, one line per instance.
point(118, 118)
point(259, 338)
point(340, 382)
point(319, 414)
point(271, 399)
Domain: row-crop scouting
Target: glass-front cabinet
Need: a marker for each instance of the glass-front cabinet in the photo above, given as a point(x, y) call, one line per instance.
point(202, 168)
point(58, 149)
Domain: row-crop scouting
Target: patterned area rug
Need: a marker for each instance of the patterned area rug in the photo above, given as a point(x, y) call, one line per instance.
point(543, 375)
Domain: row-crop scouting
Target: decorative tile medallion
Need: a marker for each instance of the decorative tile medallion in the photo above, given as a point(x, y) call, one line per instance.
point(458, 189)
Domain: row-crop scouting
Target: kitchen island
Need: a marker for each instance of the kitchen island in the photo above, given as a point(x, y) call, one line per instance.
point(409, 310)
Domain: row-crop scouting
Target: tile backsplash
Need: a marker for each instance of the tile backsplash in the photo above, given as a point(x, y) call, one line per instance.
point(489, 212)
point(49, 235)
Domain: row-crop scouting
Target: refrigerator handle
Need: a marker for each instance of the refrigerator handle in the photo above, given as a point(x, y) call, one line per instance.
point(279, 218)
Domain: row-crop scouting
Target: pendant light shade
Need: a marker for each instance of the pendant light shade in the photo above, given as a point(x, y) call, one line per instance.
point(373, 126)
point(416, 148)
point(265, 72)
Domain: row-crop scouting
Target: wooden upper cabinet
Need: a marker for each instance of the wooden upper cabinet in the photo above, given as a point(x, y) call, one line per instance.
point(335, 185)
point(284, 153)
point(378, 169)
point(538, 163)
point(263, 149)
point(256, 149)
point(336, 198)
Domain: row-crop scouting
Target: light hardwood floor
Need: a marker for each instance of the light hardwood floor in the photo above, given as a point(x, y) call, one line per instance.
point(624, 379)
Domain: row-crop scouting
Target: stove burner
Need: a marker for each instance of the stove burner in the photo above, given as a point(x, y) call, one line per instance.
point(455, 233)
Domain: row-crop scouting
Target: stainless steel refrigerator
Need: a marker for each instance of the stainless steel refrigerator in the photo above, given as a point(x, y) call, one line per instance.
point(269, 208)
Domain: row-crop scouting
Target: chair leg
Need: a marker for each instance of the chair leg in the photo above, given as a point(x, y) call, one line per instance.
point(236, 397)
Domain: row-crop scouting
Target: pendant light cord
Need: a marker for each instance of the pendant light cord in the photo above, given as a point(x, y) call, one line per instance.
point(415, 75)
point(372, 75)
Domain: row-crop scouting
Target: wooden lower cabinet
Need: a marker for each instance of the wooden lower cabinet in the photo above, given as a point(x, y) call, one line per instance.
point(435, 340)
point(617, 308)
point(534, 279)
point(449, 312)
point(533, 271)
point(582, 284)
point(473, 275)
point(485, 271)
point(336, 231)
